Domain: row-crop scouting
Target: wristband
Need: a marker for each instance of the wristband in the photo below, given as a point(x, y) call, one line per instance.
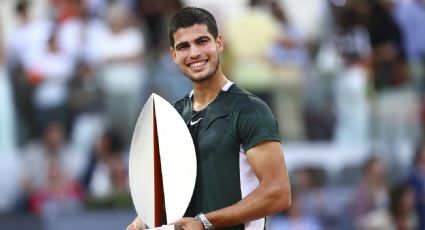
point(203, 219)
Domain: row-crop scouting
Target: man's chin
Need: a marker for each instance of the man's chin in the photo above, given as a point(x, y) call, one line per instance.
point(199, 78)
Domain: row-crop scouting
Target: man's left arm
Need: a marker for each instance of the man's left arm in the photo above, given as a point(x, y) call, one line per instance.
point(271, 196)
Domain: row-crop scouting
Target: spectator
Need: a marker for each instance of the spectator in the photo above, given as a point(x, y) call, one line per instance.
point(167, 81)
point(105, 177)
point(416, 180)
point(251, 67)
point(294, 218)
point(154, 15)
point(86, 106)
point(309, 182)
point(352, 43)
point(26, 42)
point(312, 19)
point(78, 35)
point(372, 191)
point(50, 76)
point(391, 80)
point(24, 47)
point(290, 59)
point(43, 158)
point(61, 194)
point(122, 70)
point(410, 15)
point(399, 215)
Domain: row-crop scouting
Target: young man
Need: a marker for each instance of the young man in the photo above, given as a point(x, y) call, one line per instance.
point(241, 175)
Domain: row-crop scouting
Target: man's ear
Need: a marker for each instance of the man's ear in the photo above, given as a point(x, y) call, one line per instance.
point(173, 54)
point(220, 43)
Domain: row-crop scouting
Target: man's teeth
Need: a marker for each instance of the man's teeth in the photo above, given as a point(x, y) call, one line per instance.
point(194, 65)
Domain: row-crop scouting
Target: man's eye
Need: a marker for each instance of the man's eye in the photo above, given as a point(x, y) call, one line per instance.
point(181, 47)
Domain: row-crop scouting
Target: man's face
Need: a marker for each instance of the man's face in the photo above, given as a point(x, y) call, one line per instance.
point(196, 52)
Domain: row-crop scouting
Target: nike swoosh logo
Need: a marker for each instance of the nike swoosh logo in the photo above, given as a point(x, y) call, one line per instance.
point(194, 122)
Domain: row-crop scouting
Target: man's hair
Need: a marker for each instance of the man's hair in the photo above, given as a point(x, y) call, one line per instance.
point(189, 16)
point(22, 6)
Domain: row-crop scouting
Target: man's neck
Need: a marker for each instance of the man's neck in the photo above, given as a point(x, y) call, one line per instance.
point(205, 92)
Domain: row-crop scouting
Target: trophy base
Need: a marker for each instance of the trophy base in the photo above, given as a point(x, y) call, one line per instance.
point(166, 227)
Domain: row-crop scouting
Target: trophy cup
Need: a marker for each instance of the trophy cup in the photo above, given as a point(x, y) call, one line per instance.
point(162, 165)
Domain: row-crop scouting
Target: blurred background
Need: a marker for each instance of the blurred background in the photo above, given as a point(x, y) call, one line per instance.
point(344, 78)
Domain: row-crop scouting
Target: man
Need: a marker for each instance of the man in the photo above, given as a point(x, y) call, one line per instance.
point(241, 175)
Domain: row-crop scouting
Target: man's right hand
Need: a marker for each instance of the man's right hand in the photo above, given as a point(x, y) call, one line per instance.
point(136, 225)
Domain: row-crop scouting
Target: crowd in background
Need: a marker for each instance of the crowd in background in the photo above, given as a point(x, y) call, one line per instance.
point(345, 72)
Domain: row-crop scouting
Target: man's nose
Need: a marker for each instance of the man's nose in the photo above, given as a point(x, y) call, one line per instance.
point(195, 52)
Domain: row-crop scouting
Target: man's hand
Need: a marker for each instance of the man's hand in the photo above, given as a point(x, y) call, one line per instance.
point(136, 225)
point(189, 224)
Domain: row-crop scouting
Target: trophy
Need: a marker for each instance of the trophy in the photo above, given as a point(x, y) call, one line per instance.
point(162, 165)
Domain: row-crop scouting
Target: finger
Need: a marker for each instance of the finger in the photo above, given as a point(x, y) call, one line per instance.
point(133, 227)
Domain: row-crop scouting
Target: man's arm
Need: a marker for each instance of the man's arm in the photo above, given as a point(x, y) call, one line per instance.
point(272, 195)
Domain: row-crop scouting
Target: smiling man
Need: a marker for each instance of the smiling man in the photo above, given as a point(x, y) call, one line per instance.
point(241, 175)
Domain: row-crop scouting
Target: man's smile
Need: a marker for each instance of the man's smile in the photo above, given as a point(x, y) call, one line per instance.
point(198, 64)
